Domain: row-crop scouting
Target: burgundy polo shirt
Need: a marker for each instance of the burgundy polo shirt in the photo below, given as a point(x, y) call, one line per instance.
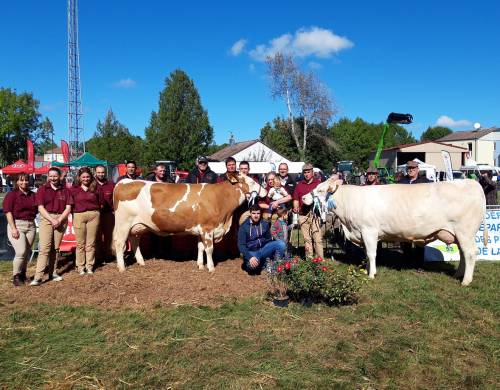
point(302, 189)
point(107, 189)
point(87, 200)
point(22, 206)
point(54, 201)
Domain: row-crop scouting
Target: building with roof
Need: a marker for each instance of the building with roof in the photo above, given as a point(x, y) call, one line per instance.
point(429, 152)
point(254, 150)
point(480, 143)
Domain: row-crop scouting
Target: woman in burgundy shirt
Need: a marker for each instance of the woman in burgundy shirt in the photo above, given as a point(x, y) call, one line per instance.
point(54, 205)
point(19, 206)
point(89, 201)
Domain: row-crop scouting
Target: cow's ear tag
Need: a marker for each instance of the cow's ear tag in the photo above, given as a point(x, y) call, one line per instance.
point(233, 180)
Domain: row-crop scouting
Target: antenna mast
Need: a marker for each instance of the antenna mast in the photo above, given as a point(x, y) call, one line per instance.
point(76, 135)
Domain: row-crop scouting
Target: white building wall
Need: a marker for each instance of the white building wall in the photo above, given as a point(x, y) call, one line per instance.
point(51, 157)
point(259, 152)
point(482, 150)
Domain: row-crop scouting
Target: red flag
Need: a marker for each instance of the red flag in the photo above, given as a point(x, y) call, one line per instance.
point(65, 151)
point(31, 158)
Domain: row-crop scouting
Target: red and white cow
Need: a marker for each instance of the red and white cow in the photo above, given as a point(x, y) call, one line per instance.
point(203, 210)
point(421, 213)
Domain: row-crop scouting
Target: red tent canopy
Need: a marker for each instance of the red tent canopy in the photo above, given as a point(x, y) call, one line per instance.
point(43, 170)
point(17, 167)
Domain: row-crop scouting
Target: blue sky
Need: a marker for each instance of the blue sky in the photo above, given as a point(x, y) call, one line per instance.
point(437, 60)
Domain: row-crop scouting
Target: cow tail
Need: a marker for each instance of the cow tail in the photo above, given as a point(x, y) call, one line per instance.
point(485, 229)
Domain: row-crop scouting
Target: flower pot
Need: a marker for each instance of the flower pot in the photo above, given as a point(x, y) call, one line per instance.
point(306, 300)
point(280, 301)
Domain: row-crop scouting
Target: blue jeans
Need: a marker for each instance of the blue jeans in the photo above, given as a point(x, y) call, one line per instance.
point(268, 251)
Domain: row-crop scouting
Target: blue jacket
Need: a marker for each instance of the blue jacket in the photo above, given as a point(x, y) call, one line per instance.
point(253, 237)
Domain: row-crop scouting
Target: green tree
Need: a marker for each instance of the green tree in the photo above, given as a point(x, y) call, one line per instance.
point(435, 133)
point(19, 121)
point(180, 130)
point(47, 133)
point(113, 142)
point(277, 137)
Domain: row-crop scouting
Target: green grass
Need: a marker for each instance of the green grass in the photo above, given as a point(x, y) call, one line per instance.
point(409, 330)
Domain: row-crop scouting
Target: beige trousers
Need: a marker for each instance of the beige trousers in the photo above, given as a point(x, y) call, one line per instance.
point(86, 225)
point(311, 230)
point(22, 246)
point(50, 238)
point(106, 226)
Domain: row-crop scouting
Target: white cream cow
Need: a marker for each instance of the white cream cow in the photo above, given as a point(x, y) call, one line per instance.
point(421, 213)
point(202, 210)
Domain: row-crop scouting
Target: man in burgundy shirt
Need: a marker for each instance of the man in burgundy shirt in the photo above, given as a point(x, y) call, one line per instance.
point(107, 220)
point(371, 177)
point(310, 224)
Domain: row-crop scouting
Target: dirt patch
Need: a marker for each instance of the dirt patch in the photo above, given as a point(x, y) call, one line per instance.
point(160, 282)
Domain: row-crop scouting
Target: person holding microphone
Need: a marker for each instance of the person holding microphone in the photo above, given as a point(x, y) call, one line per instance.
point(54, 205)
point(89, 201)
point(19, 206)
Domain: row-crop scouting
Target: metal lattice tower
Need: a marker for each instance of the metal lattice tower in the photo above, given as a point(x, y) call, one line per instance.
point(76, 135)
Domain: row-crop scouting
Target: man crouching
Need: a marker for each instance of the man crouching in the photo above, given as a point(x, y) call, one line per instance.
point(254, 241)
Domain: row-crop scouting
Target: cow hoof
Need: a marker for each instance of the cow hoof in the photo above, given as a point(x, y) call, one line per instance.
point(121, 269)
point(371, 276)
point(466, 283)
point(211, 271)
point(201, 267)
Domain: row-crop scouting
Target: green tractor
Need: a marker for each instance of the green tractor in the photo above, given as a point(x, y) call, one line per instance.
point(386, 174)
point(348, 167)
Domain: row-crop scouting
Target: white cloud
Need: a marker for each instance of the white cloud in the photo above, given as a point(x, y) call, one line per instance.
point(125, 83)
point(314, 41)
point(315, 65)
point(47, 107)
point(449, 122)
point(238, 47)
point(415, 126)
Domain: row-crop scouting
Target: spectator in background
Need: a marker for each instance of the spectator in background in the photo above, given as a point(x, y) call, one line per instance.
point(32, 180)
point(19, 207)
point(89, 202)
point(412, 176)
point(8, 183)
point(131, 168)
point(64, 173)
point(371, 177)
point(202, 173)
point(399, 177)
point(159, 175)
point(489, 188)
point(107, 217)
point(286, 181)
point(230, 168)
point(54, 205)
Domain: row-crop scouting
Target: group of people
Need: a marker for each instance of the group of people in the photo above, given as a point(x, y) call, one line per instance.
point(261, 227)
point(90, 201)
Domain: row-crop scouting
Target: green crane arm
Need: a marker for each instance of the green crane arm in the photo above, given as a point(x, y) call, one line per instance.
point(380, 145)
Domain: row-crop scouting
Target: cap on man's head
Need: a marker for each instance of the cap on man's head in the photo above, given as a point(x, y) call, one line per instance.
point(203, 159)
point(411, 164)
point(371, 170)
point(307, 167)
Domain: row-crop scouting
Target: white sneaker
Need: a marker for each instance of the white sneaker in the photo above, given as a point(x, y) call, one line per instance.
point(56, 278)
point(81, 272)
point(36, 282)
point(90, 272)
